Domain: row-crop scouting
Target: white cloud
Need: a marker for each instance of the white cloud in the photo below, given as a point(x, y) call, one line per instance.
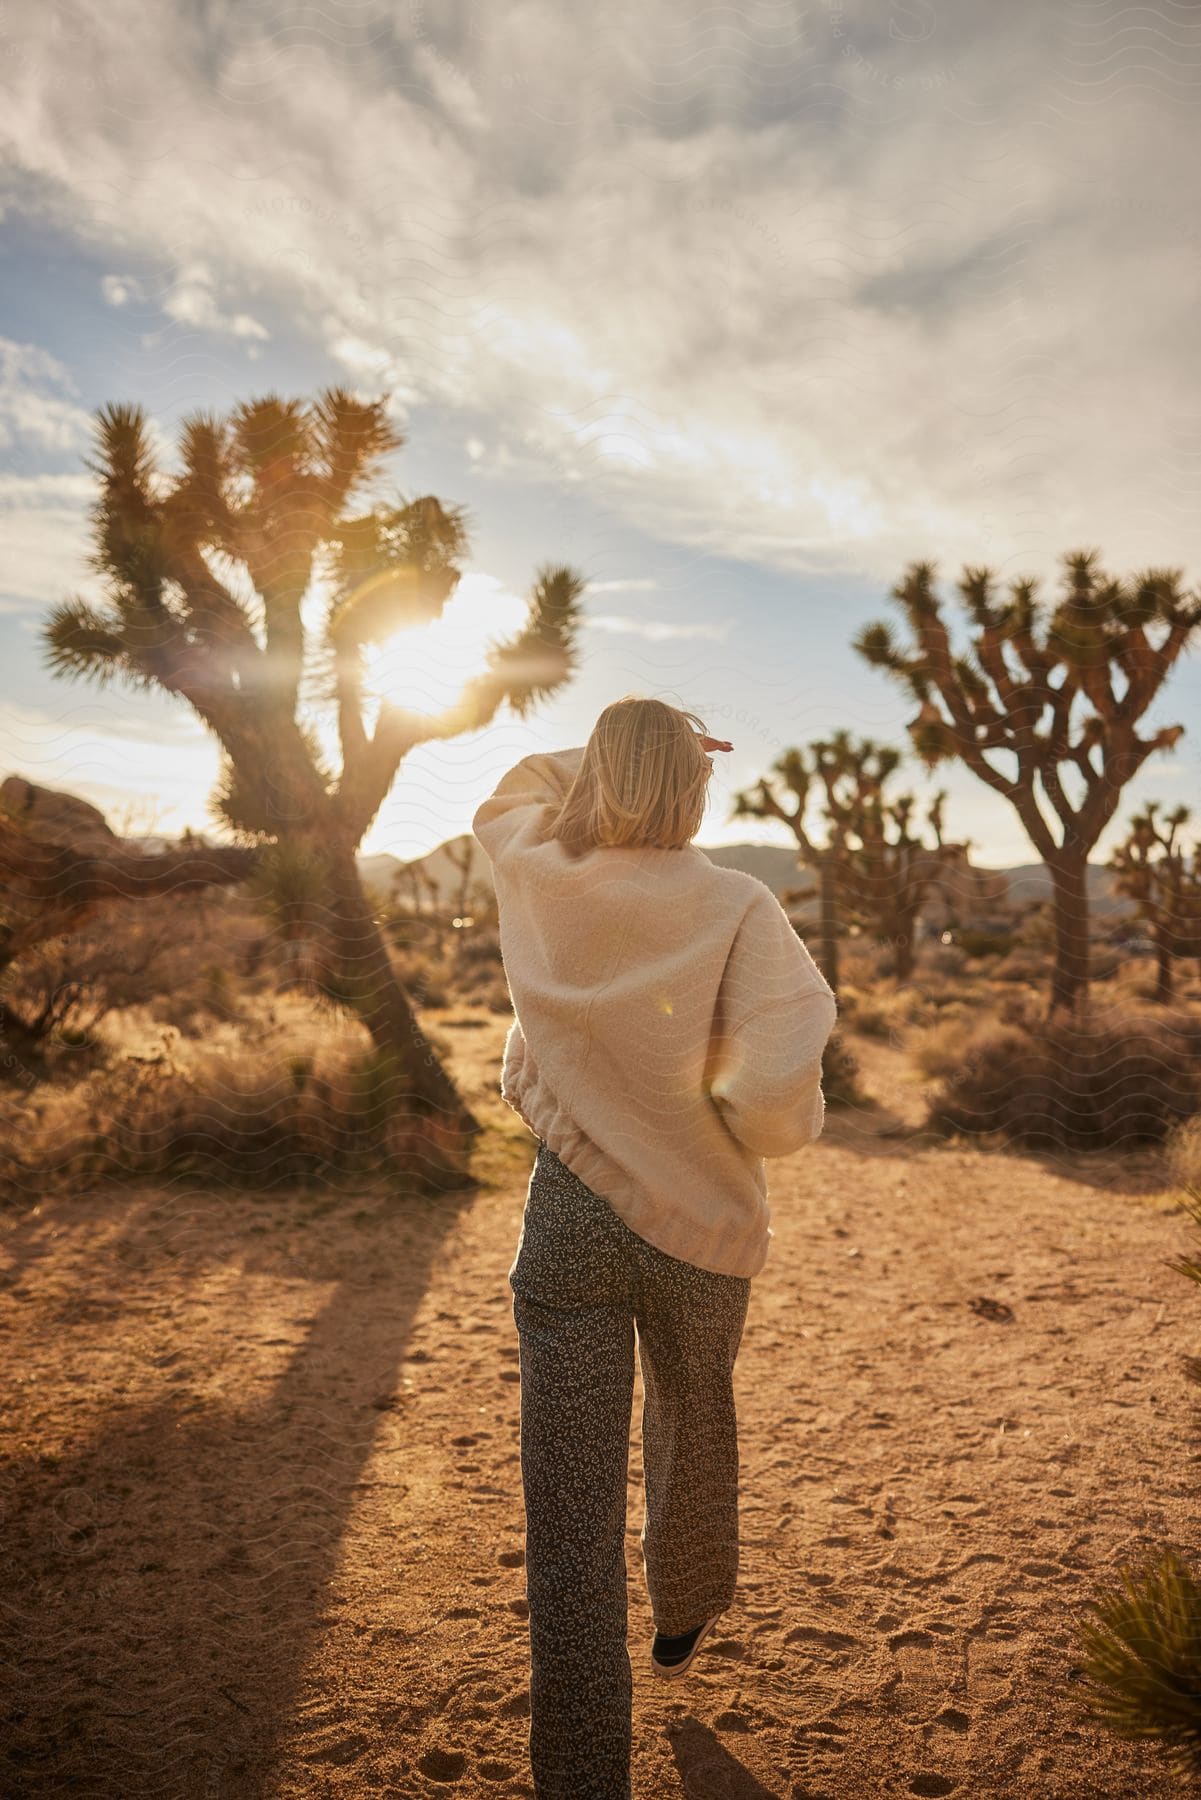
point(119, 289)
point(192, 301)
point(45, 528)
point(37, 411)
point(814, 293)
point(656, 629)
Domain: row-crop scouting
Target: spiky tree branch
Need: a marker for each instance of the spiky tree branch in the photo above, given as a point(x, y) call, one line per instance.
point(1108, 643)
point(1162, 876)
point(207, 573)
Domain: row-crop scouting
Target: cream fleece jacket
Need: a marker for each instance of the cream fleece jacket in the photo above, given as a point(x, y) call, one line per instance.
point(669, 1023)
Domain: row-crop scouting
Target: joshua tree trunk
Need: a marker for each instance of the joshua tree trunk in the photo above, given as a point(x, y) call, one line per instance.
point(1163, 966)
point(1069, 983)
point(902, 937)
point(361, 976)
point(829, 921)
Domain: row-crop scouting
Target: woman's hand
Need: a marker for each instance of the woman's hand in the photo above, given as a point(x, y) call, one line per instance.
point(711, 743)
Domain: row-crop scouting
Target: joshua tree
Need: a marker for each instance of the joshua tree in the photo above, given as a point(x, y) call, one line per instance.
point(871, 869)
point(1109, 644)
point(463, 856)
point(420, 886)
point(1155, 870)
point(212, 595)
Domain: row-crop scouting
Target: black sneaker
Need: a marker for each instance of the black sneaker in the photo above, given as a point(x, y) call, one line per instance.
point(672, 1655)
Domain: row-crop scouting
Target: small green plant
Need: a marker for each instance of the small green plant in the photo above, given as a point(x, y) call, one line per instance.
point(1142, 1652)
point(1143, 1658)
point(1190, 1266)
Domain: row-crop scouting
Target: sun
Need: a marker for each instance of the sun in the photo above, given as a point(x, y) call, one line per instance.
point(425, 667)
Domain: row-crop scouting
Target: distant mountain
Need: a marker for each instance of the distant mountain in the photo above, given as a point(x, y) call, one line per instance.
point(1032, 881)
point(775, 865)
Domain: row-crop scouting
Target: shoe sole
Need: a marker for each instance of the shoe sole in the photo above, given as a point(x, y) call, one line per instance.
point(669, 1671)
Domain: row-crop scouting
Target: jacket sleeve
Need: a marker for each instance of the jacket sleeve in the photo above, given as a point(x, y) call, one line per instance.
point(540, 779)
point(777, 1012)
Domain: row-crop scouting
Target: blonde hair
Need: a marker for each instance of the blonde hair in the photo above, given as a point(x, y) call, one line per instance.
point(643, 779)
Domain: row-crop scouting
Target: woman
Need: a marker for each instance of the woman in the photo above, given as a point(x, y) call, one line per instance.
point(668, 1035)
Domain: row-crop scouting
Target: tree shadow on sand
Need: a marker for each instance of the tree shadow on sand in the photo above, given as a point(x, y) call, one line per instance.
point(166, 1583)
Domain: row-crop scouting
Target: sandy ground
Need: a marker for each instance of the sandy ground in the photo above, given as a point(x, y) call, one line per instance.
point(262, 1509)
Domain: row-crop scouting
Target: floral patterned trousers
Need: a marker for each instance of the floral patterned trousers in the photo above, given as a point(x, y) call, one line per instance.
point(581, 1281)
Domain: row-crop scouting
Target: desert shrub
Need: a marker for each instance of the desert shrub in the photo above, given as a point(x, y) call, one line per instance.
point(1108, 1079)
point(1142, 1656)
point(985, 943)
point(415, 932)
point(480, 950)
point(55, 996)
point(1025, 963)
point(427, 977)
point(875, 1011)
point(1104, 961)
point(940, 1049)
point(479, 971)
point(946, 996)
point(943, 959)
point(888, 1012)
point(254, 1119)
point(1184, 1153)
point(868, 1016)
point(840, 1068)
point(1142, 1648)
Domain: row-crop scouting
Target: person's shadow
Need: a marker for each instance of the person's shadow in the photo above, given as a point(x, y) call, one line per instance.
point(707, 1769)
point(169, 1574)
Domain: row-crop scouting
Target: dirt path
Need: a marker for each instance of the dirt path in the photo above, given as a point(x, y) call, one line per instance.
point(263, 1515)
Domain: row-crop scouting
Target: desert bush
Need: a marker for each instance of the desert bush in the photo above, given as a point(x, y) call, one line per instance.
point(1104, 961)
point(1108, 1079)
point(54, 997)
point(479, 973)
point(943, 959)
point(421, 932)
point(868, 1016)
point(254, 1119)
point(1184, 1153)
point(1025, 963)
point(480, 949)
point(887, 1013)
point(985, 943)
point(840, 1069)
point(427, 976)
point(1143, 1657)
point(940, 1049)
point(948, 996)
point(1142, 1649)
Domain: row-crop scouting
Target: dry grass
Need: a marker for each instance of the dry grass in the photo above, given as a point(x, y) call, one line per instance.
point(258, 1118)
point(1117, 1077)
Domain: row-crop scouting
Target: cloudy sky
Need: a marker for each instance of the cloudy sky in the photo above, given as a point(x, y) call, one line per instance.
point(737, 309)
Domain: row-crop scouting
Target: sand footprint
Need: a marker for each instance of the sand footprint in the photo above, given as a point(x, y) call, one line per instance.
point(923, 1678)
point(441, 1764)
point(823, 1636)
